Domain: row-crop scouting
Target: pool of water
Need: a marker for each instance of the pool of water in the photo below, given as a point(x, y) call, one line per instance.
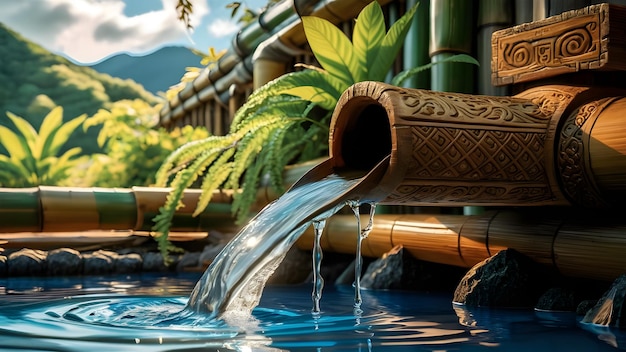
point(146, 313)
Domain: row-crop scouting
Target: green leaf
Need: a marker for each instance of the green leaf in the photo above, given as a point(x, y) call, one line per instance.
point(390, 46)
point(332, 49)
point(48, 127)
point(26, 129)
point(60, 136)
point(15, 144)
point(315, 86)
point(404, 75)
point(368, 34)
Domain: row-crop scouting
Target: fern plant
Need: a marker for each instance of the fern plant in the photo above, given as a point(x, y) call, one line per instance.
point(34, 157)
point(286, 120)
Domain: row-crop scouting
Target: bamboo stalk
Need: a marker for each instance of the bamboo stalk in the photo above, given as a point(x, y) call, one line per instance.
point(451, 32)
point(576, 244)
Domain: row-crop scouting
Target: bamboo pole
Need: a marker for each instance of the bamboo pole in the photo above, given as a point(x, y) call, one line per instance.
point(574, 243)
point(415, 52)
point(451, 32)
point(51, 209)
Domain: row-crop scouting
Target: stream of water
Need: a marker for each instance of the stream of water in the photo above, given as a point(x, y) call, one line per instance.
point(232, 285)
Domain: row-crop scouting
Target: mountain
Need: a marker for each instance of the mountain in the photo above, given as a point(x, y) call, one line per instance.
point(156, 71)
point(35, 80)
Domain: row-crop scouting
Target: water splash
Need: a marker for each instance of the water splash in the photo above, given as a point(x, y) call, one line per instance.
point(232, 285)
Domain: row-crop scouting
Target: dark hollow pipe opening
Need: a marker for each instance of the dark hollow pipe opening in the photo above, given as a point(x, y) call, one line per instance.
point(366, 139)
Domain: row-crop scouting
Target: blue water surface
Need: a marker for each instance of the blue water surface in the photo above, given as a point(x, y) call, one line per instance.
point(146, 313)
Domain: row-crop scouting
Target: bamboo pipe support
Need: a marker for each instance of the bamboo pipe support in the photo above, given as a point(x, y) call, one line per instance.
point(573, 243)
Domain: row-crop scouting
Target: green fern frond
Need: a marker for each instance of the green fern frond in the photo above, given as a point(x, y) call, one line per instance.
point(243, 200)
point(214, 178)
point(186, 153)
point(248, 148)
point(173, 202)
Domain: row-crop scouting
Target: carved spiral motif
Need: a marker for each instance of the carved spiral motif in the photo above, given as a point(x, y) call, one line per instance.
point(519, 54)
point(573, 43)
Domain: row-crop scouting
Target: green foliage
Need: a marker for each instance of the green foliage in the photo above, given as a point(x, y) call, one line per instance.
point(134, 146)
point(286, 120)
point(34, 157)
point(34, 81)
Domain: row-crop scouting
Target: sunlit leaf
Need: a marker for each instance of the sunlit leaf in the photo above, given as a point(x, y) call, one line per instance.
point(390, 46)
point(50, 124)
point(368, 34)
point(332, 49)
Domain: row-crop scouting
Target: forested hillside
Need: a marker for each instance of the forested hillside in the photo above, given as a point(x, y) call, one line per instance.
point(33, 81)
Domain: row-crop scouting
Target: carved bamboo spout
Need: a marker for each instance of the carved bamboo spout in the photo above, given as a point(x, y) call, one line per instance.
point(551, 145)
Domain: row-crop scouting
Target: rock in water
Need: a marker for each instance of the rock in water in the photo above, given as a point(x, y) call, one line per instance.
point(65, 261)
point(507, 279)
point(609, 311)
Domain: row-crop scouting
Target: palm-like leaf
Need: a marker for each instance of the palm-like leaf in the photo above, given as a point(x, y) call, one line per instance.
point(332, 49)
point(368, 35)
point(390, 46)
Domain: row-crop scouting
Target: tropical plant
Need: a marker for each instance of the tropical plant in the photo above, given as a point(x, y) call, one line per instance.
point(34, 157)
point(286, 120)
point(134, 146)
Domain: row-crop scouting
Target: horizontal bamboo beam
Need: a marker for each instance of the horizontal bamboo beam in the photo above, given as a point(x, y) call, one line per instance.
point(572, 243)
point(53, 209)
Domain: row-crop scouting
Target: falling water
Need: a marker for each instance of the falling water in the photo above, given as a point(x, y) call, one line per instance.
point(318, 280)
point(362, 233)
point(234, 282)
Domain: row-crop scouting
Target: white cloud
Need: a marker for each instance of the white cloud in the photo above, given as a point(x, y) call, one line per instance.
point(222, 28)
point(88, 31)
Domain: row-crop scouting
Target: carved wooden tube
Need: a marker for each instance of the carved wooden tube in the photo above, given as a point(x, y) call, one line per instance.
point(534, 148)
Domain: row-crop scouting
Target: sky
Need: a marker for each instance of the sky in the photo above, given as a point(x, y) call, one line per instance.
point(88, 31)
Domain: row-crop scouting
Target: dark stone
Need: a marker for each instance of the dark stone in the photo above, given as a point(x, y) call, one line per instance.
point(65, 261)
point(610, 310)
point(209, 253)
point(396, 269)
point(558, 299)
point(190, 261)
point(128, 263)
point(27, 262)
point(507, 279)
point(99, 262)
point(585, 306)
point(3, 265)
point(153, 261)
point(294, 269)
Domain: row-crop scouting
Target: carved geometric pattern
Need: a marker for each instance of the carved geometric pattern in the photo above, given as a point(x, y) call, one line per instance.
point(477, 155)
point(573, 41)
point(572, 156)
point(468, 194)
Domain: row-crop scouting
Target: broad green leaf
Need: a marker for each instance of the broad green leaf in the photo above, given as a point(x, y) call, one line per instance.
point(60, 136)
point(26, 129)
point(368, 34)
point(323, 87)
point(49, 126)
point(402, 76)
point(16, 168)
point(15, 144)
point(390, 46)
point(332, 49)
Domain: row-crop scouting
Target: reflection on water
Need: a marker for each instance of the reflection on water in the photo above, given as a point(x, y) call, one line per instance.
point(146, 313)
